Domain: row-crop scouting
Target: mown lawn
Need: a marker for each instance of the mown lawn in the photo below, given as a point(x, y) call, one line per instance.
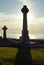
point(38, 56)
point(7, 56)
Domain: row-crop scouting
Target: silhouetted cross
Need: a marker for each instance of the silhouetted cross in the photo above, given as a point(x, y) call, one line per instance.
point(25, 36)
point(4, 33)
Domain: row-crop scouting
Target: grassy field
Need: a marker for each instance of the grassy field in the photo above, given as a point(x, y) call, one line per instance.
point(7, 56)
point(38, 56)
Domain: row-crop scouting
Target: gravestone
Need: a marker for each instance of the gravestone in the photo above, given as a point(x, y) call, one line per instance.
point(4, 32)
point(25, 36)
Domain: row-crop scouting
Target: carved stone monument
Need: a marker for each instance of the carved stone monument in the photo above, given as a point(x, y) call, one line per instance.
point(25, 36)
point(4, 32)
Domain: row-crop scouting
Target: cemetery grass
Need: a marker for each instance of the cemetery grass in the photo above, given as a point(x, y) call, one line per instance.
point(7, 56)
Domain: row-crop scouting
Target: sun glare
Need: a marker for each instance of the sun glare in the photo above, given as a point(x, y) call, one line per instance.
point(30, 18)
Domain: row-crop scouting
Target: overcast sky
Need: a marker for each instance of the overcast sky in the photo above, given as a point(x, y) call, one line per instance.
point(11, 15)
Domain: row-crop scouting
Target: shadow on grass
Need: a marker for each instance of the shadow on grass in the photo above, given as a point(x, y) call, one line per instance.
point(41, 62)
point(12, 61)
point(21, 60)
point(23, 56)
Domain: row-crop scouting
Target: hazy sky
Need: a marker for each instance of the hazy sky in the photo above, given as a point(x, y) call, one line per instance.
point(11, 15)
point(14, 6)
